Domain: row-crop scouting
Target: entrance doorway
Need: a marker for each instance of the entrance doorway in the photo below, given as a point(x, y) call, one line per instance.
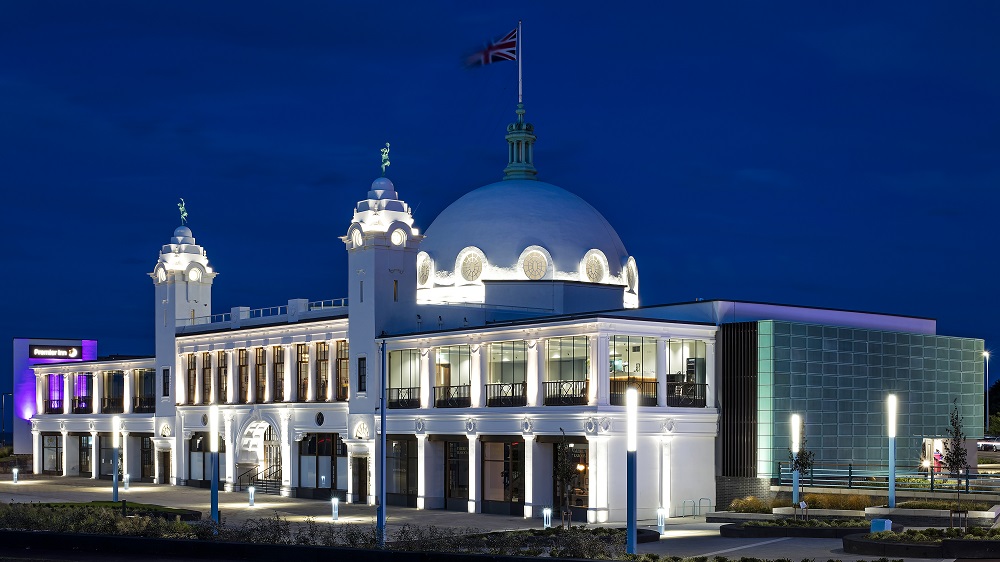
point(163, 476)
point(359, 477)
point(503, 478)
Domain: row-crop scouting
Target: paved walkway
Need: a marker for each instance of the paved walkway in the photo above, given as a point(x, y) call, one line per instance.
point(684, 537)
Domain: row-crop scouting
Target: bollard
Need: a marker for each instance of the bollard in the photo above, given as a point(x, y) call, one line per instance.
point(124, 508)
point(14, 472)
point(335, 507)
point(250, 493)
point(547, 518)
point(661, 515)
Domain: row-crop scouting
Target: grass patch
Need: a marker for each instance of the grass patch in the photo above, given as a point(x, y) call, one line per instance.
point(856, 502)
point(134, 508)
point(935, 536)
point(946, 504)
point(811, 523)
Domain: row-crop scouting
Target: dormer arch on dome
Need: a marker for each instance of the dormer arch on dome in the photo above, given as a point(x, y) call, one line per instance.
point(470, 265)
point(535, 264)
point(425, 270)
point(594, 267)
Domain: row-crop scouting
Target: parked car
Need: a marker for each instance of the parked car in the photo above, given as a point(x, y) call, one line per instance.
point(988, 443)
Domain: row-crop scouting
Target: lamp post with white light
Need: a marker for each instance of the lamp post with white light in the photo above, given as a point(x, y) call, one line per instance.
point(213, 443)
point(890, 406)
point(986, 355)
point(631, 411)
point(116, 442)
point(796, 424)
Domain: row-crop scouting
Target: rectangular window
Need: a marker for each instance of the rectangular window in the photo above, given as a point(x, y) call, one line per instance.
point(404, 379)
point(633, 363)
point(114, 391)
point(243, 374)
point(54, 395)
point(223, 373)
point(260, 373)
point(206, 378)
point(145, 391)
point(278, 357)
point(192, 377)
point(86, 450)
point(317, 466)
point(52, 454)
point(107, 454)
point(166, 381)
point(302, 371)
point(361, 290)
point(83, 393)
point(503, 472)
point(452, 374)
point(395, 290)
point(686, 382)
point(508, 363)
point(343, 370)
point(362, 374)
point(401, 469)
point(457, 471)
point(567, 363)
point(322, 371)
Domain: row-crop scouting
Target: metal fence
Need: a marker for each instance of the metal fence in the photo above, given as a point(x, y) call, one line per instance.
point(876, 477)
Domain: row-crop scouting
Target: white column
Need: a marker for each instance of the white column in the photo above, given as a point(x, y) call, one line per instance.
point(231, 375)
point(68, 392)
point(128, 383)
point(289, 356)
point(251, 397)
point(476, 376)
point(532, 381)
point(421, 471)
point(95, 456)
point(65, 457)
point(426, 378)
point(661, 372)
point(710, 376)
point(36, 450)
point(311, 377)
point(529, 475)
point(601, 368)
point(665, 495)
point(98, 391)
point(286, 455)
point(475, 474)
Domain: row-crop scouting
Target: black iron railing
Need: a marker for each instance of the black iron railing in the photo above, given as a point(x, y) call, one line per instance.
point(83, 405)
point(144, 404)
point(506, 394)
point(403, 398)
point(686, 394)
point(112, 406)
point(646, 389)
point(54, 406)
point(452, 396)
point(565, 393)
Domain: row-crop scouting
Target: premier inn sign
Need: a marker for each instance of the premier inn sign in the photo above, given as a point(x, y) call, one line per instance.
point(55, 352)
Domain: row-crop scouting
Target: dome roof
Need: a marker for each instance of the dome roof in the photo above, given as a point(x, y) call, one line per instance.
point(182, 235)
point(504, 218)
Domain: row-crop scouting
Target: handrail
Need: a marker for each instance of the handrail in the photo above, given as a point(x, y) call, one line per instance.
point(249, 479)
point(328, 303)
point(263, 312)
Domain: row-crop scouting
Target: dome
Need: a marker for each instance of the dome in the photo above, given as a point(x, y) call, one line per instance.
point(506, 218)
point(182, 235)
point(382, 188)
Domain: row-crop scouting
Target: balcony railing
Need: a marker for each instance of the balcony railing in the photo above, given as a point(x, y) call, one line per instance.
point(506, 394)
point(54, 406)
point(686, 394)
point(452, 396)
point(83, 405)
point(343, 390)
point(646, 389)
point(403, 398)
point(112, 406)
point(565, 393)
point(144, 404)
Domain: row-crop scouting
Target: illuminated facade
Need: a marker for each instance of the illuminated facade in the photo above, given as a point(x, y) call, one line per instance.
point(511, 330)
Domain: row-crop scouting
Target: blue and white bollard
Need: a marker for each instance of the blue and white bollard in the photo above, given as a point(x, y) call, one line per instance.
point(250, 493)
point(14, 472)
point(335, 508)
point(661, 515)
point(547, 518)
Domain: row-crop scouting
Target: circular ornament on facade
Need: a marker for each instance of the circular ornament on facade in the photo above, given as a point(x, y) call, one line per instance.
point(418, 425)
point(590, 426)
point(631, 275)
point(470, 425)
point(595, 269)
point(534, 266)
point(319, 418)
point(397, 237)
point(356, 238)
point(194, 274)
point(472, 267)
point(204, 420)
point(161, 274)
point(92, 426)
point(424, 271)
point(669, 425)
point(605, 425)
point(526, 425)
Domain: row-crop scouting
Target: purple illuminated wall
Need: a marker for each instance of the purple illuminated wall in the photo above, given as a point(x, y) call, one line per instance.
point(24, 405)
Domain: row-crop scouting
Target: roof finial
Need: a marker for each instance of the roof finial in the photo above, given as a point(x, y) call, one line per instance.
point(385, 158)
point(520, 149)
point(183, 210)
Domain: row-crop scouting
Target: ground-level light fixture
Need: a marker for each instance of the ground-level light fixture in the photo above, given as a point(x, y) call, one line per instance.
point(334, 508)
point(547, 518)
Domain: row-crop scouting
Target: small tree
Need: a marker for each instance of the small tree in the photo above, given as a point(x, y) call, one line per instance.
point(955, 455)
point(803, 462)
point(564, 476)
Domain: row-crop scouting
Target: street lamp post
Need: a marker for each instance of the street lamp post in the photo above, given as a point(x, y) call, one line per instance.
point(796, 425)
point(116, 437)
point(631, 411)
point(213, 440)
point(890, 404)
point(986, 355)
point(380, 510)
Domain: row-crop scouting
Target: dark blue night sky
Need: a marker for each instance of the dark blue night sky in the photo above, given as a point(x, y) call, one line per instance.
point(839, 156)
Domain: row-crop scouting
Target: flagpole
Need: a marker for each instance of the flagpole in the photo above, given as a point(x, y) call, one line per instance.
point(519, 96)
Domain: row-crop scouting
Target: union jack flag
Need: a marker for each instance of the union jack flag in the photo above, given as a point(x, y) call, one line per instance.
point(501, 49)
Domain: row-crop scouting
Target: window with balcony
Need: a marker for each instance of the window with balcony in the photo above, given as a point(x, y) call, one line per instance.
point(54, 394)
point(145, 391)
point(301, 371)
point(243, 376)
point(404, 379)
point(343, 370)
point(259, 373)
point(222, 383)
point(206, 378)
point(112, 402)
point(192, 377)
point(452, 372)
point(278, 358)
point(686, 383)
point(83, 393)
point(508, 364)
point(567, 363)
point(322, 371)
point(633, 364)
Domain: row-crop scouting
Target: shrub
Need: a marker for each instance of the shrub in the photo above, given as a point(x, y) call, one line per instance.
point(750, 504)
point(856, 502)
point(945, 504)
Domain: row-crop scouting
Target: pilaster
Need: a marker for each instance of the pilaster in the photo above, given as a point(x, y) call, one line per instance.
point(532, 380)
point(426, 377)
point(68, 393)
point(36, 451)
point(65, 457)
point(475, 474)
point(98, 391)
point(128, 392)
point(311, 376)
